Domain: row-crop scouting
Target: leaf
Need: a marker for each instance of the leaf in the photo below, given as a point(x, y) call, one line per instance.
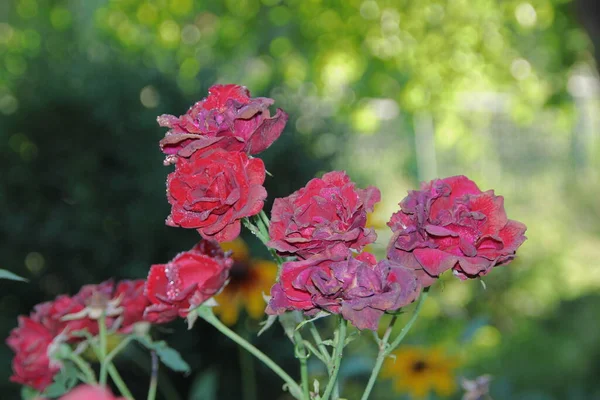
point(317, 316)
point(29, 393)
point(289, 321)
point(64, 381)
point(169, 356)
point(4, 274)
point(205, 386)
point(266, 324)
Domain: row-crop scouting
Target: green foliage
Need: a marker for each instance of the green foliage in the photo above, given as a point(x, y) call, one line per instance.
point(64, 381)
point(4, 274)
point(169, 356)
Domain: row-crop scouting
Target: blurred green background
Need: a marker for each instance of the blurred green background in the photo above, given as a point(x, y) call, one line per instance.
point(393, 91)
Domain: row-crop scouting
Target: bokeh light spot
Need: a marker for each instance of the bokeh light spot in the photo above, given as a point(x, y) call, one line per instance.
point(526, 15)
point(149, 97)
point(61, 18)
point(34, 262)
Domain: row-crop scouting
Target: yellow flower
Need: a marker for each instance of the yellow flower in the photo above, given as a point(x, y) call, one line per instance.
point(249, 279)
point(418, 371)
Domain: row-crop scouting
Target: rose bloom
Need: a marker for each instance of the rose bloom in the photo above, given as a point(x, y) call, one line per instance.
point(132, 301)
point(327, 211)
point(184, 283)
point(451, 224)
point(228, 118)
point(90, 392)
point(31, 365)
point(359, 288)
point(211, 192)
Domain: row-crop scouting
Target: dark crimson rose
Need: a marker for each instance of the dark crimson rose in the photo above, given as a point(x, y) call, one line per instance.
point(31, 364)
point(451, 224)
point(228, 118)
point(90, 392)
point(358, 287)
point(213, 191)
point(326, 212)
point(131, 299)
point(186, 282)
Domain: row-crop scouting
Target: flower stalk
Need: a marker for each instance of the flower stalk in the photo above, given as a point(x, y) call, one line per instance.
point(336, 360)
point(385, 348)
point(207, 314)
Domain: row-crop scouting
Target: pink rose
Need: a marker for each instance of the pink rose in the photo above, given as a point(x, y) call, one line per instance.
point(451, 224)
point(228, 119)
point(326, 212)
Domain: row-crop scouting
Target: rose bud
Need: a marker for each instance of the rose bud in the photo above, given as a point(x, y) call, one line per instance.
point(183, 284)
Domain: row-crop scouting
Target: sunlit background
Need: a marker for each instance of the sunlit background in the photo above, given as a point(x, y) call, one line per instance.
point(394, 92)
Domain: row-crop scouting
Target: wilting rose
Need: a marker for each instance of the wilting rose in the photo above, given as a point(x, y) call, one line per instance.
point(31, 364)
point(213, 191)
point(131, 299)
point(228, 118)
point(451, 224)
point(90, 392)
point(184, 283)
point(358, 287)
point(326, 212)
point(50, 314)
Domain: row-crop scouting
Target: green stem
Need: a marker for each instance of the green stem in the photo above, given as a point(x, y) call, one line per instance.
point(336, 359)
point(114, 375)
point(319, 341)
point(153, 376)
point(102, 351)
point(385, 348)
point(207, 314)
point(84, 367)
point(118, 349)
point(302, 355)
point(410, 322)
point(248, 375)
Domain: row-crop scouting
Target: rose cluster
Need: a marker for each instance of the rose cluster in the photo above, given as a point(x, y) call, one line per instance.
point(170, 291)
point(216, 183)
point(448, 224)
point(55, 322)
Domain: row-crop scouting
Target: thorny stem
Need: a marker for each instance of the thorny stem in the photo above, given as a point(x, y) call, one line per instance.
point(336, 359)
point(385, 348)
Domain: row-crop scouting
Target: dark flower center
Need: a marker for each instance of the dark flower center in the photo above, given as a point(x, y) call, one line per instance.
point(419, 366)
point(239, 273)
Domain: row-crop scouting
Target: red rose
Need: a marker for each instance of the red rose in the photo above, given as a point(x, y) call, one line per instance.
point(228, 118)
point(451, 224)
point(186, 282)
point(325, 212)
point(50, 314)
point(31, 364)
point(131, 300)
point(212, 191)
point(359, 288)
point(90, 392)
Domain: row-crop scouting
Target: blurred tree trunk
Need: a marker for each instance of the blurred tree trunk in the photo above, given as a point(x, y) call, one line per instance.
point(588, 12)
